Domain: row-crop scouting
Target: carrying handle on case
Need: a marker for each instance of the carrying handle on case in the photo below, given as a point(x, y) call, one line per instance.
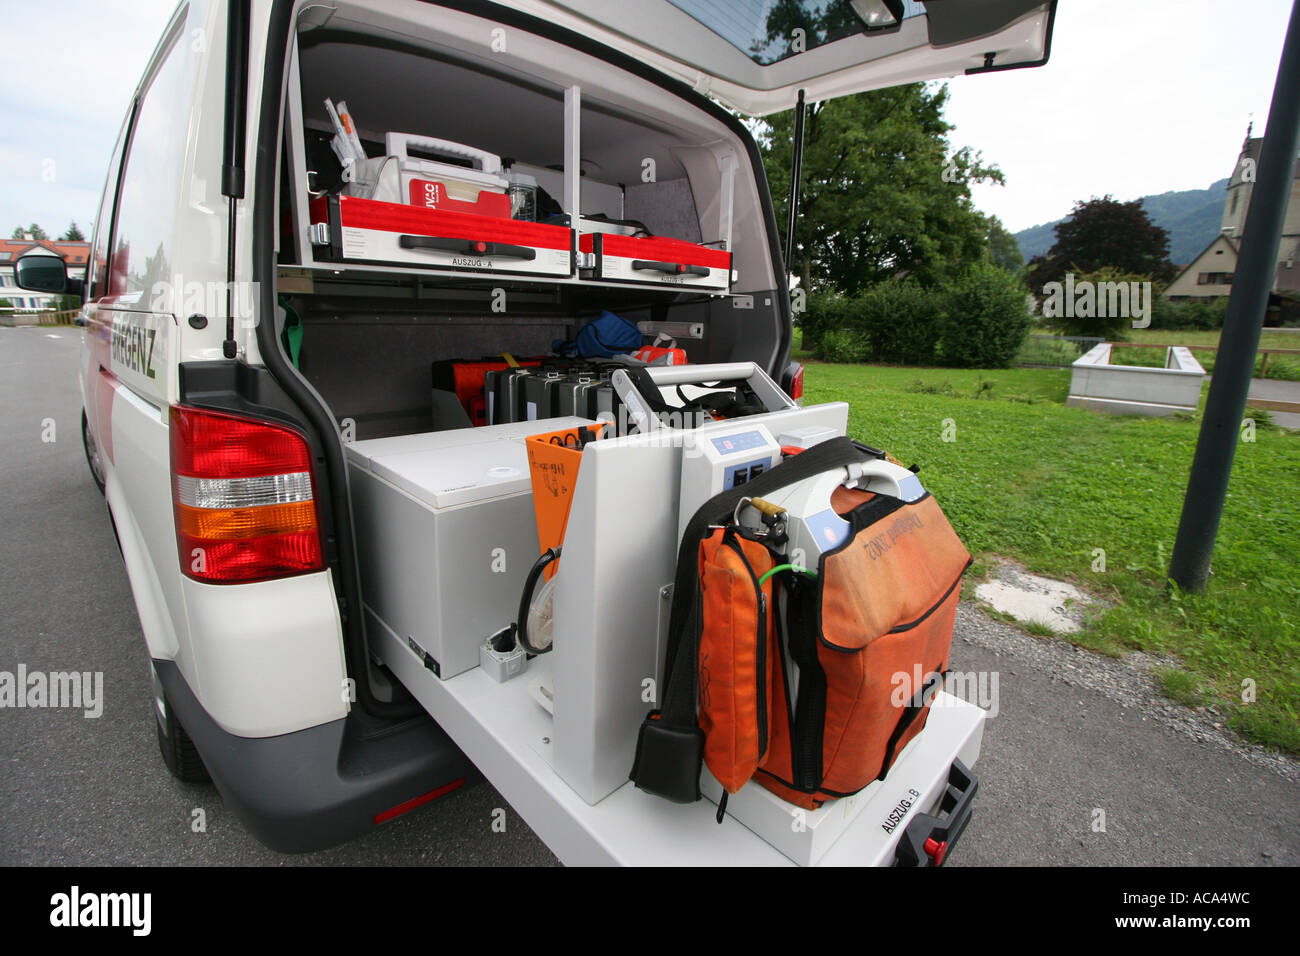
point(472, 247)
point(929, 838)
point(669, 268)
point(397, 144)
point(638, 387)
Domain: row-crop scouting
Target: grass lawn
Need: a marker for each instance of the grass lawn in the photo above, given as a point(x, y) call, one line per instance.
point(1269, 338)
point(1047, 485)
point(1284, 367)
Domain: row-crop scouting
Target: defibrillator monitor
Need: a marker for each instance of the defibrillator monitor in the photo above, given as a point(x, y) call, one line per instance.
point(719, 458)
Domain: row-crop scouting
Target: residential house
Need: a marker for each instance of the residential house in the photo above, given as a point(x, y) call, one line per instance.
point(1210, 274)
point(74, 254)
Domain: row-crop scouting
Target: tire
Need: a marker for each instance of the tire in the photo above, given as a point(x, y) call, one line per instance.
point(93, 459)
point(178, 751)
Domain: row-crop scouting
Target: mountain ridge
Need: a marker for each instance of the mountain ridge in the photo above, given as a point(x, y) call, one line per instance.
point(1191, 216)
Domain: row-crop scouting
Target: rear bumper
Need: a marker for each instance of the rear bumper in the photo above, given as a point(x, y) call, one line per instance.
point(322, 786)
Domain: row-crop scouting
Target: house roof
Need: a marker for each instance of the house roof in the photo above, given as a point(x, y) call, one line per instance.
point(73, 253)
point(1233, 244)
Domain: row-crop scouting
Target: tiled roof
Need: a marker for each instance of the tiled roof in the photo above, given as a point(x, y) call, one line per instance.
point(73, 253)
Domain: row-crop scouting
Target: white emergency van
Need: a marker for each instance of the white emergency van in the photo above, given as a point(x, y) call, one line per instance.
point(310, 204)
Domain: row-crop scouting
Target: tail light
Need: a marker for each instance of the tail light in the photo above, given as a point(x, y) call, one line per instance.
point(244, 498)
point(796, 382)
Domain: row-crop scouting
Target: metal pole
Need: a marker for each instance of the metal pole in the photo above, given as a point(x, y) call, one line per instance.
point(796, 169)
point(1220, 428)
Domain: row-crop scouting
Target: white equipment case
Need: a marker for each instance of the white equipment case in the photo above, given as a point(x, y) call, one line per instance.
point(446, 533)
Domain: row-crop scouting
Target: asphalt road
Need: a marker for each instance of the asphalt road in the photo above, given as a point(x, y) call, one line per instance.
point(84, 791)
point(1276, 390)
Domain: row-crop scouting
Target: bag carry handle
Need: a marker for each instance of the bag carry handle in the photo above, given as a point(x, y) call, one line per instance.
point(397, 144)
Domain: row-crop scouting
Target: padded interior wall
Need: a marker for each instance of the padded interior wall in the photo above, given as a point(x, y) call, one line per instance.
point(667, 208)
point(376, 369)
point(731, 334)
point(372, 365)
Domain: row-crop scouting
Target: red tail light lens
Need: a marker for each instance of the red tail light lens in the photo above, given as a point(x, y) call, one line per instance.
point(796, 383)
point(244, 498)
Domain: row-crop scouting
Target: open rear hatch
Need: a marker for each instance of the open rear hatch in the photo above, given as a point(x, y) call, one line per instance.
point(755, 55)
point(558, 742)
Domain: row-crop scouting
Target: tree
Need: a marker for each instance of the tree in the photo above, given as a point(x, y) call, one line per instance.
point(882, 193)
point(35, 231)
point(794, 26)
point(73, 234)
point(1103, 234)
point(985, 318)
point(1003, 249)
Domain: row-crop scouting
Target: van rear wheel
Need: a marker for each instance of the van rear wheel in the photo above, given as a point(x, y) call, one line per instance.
point(178, 750)
point(92, 454)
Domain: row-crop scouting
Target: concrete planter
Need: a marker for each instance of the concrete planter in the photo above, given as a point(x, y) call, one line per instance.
point(1136, 389)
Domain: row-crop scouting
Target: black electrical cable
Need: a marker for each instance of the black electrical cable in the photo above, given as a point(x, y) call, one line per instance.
point(525, 599)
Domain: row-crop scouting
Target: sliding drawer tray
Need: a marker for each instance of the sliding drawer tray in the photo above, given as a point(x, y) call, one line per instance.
point(657, 261)
point(371, 232)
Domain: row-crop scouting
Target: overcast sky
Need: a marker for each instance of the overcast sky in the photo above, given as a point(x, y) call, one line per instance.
point(1140, 96)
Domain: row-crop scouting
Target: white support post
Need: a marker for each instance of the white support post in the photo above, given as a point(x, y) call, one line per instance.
point(727, 201)
point(573, 153)
point(299, 179)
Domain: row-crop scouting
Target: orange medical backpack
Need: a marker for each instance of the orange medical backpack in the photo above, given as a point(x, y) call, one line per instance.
point(877, 614)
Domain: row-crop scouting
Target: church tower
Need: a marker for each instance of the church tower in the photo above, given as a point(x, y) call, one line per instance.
point(1240, 185)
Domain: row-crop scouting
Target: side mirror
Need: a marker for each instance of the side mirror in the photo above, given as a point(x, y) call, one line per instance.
point(40, 273)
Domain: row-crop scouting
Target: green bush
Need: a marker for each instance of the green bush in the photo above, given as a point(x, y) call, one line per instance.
point(844, 345)
point(1191, 314)
point(823, 312)
point(1059, 299)
point(901, 321)
point(984, 319)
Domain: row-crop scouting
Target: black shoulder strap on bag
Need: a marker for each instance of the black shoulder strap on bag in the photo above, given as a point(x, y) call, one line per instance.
point(670, 748)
